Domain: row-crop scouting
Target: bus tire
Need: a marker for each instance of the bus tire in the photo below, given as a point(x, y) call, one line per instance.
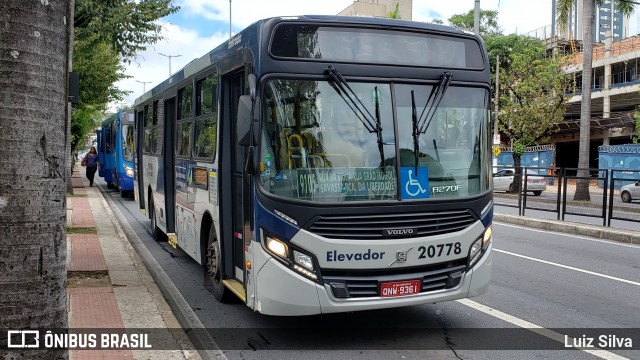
point(213, 266)
point(155, 230)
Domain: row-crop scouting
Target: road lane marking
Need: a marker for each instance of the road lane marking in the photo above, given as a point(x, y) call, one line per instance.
point(603, 354)
point(569, 267)
point(571, 236)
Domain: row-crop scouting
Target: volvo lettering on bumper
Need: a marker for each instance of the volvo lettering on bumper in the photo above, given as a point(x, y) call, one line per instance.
point(357, 256)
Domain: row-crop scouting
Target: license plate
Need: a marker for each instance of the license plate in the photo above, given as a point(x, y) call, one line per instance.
point(400, 288)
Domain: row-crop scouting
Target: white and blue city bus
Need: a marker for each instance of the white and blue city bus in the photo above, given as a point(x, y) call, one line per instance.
point(116, 150)
point(322, 164)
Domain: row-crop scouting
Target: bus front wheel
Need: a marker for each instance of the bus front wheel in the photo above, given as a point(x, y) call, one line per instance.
point(155, 230)
point(214, 266)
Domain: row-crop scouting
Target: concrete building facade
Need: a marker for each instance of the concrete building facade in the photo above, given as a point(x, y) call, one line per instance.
point(378, 8)
point(615, 97)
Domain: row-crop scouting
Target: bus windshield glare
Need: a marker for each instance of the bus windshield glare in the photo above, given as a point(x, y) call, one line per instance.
point(318, 145)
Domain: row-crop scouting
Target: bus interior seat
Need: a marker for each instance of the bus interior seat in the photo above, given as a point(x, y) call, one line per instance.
point(297, 151)
point(315, 148)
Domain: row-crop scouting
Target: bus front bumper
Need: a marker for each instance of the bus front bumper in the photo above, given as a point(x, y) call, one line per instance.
point(282, 292)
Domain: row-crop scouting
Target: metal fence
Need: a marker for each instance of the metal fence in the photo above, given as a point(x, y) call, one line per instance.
point(626, 185)
point(596, 205)
point(613, 194)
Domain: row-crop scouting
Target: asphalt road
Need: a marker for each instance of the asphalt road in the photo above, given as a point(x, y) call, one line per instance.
point(544, 285)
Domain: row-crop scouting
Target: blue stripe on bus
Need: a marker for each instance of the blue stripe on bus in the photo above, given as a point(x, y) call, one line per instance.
point(487, 218)
point(272, 223)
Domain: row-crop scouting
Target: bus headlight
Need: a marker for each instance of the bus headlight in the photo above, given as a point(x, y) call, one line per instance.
point(304, 265)
point(474, 252)
point(277, 247)
point(486, 239)
point(303, 259)
point(128, 170)
point(479, 246)
point(294, 259)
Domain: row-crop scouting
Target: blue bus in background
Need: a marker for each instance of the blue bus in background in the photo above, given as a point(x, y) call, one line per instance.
point(116, 149)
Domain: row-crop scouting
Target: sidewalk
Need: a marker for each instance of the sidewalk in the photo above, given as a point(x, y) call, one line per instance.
point(108, 285)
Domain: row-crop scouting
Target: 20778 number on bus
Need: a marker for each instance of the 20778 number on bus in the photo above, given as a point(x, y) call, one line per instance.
point(439, 250)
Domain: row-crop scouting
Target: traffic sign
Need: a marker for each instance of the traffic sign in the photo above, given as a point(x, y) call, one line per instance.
point(496, 151)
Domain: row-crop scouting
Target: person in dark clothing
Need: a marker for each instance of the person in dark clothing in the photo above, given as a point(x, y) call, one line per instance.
point(91, 162)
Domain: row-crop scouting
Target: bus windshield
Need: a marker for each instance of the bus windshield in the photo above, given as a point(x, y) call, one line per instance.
point(127, 142)
point(320, 144)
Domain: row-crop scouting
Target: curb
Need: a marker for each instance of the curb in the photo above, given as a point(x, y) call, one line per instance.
point(179, 306)
point(624, 236)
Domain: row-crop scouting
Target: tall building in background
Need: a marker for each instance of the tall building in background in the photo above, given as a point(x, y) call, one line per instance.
point(378, 8)
point(606, 17)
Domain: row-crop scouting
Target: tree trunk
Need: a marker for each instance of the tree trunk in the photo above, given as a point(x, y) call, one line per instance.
point(70, 159)
point(582, 185)
point(32, 169)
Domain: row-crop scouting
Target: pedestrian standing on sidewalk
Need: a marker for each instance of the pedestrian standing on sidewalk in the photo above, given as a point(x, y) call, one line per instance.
point(91, 162)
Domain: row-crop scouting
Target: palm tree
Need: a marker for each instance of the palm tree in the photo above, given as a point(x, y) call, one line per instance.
point(32, 169)
point(563, 12)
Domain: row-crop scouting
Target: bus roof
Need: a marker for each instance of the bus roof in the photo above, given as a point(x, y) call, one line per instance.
point(226, 47)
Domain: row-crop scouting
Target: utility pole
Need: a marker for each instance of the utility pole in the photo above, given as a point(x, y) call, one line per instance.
point(476, 18)
point(144, 85)
point(169, 56)
point(229, 19)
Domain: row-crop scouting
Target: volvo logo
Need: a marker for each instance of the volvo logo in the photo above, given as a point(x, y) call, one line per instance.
point(398, 232)
point(401, 256)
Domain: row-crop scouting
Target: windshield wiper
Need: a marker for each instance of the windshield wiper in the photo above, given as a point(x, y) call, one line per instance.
point(379, 129)
point(420, 125)
point(435, 97)
point(341, 86)
point(415, 133)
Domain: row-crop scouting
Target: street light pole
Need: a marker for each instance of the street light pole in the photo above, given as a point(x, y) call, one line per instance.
point(169, 56)
point(476, 18)
point(144, 85)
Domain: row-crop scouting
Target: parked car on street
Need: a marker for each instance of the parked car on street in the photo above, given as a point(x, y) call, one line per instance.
point(630, 192)
point(503, 181)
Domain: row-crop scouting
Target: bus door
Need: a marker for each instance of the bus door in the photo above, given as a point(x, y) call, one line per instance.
point(138, 186)
point(236, 223)
point(169, 154)
point(100, 152)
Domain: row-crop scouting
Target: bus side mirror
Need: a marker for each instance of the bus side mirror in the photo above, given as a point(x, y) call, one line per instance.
point(245, 128)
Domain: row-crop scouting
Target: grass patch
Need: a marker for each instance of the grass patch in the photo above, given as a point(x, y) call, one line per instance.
point(76, 195)
point(81, 230)
point(82, 279)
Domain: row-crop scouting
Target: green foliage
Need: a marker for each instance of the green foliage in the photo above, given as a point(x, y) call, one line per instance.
point(108, 33)
point(84, 120)
point(488, 22)
point(437, 21)
point(99, 69)
point(129, 26)
point(395, 13)
point(506, 45)
point(532, 97)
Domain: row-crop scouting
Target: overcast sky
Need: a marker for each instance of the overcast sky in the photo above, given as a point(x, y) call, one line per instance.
point(201, 25)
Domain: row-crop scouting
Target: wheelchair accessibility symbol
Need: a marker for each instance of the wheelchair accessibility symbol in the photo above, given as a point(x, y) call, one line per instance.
point(415, 185)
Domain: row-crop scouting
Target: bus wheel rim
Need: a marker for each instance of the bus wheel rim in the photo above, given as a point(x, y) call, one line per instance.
point(213, 257)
